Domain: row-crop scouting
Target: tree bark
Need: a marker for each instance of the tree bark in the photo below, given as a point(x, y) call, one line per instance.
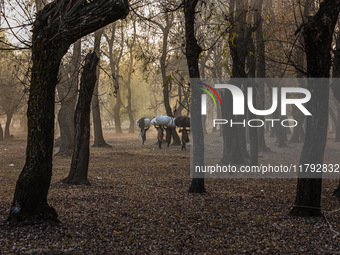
point(9, 116)
point(193, 51)
point(115, 71)
point(240, 42)
point(318, 33)
point(80, 159)
point(129, 95)
point(52, 36)
point(166, 79)
point(260, 71)
point(298, 131)
point(1, 133)
point(99, 140)
point(67, 91)
point(116, 112)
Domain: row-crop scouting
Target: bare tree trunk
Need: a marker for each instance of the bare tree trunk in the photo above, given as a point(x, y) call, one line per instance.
point(253, 134)
point(129, 95)
point(49, 44)
point(23, 123)
point(239, 50)
point(298, 131)
point(260, 71)
point(80, 159)
point(1, 133)
point(116, 112)
point(97, 122)
point(193, 51)
point(9, 116)
point(318, 35)
point(67, 92)
point(167, 78)
point(115, 70)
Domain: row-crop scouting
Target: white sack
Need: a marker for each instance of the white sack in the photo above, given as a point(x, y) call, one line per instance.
point(161, 120)
point(146, 123)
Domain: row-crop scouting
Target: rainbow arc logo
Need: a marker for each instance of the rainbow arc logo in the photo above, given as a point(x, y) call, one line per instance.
point(210, 94)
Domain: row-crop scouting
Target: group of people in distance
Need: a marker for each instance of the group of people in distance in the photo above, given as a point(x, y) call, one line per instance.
point(167, 124)
point(168, 133)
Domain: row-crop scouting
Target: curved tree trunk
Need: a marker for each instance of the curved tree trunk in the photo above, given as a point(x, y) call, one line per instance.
point(51, 39)
point(318, 35)
point(80, 159)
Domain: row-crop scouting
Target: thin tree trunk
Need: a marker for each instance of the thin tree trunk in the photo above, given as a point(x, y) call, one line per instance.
point(254, 142)
point(260, 71)
point(80, 159)
point(193, 51)
point(8, 124)
point(129, 95)
point(115, 70)
point(1, 133)
point(49, 45)
point(97, 122)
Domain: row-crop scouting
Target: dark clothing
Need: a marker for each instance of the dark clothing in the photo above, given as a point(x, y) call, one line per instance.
point(143, 134)
point(185, 138)
point(160, 135)
point(168, 132)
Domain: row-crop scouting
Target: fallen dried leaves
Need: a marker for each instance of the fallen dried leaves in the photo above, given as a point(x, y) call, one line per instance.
point(138, 204)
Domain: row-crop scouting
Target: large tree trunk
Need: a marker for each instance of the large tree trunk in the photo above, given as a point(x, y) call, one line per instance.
point(97, 122)
point(9, 116)
point(317, 34)
point(81, 154)
point(67, 91)
point(231, 135)
point(239, 50)
point(52, 36)
point(193, 51)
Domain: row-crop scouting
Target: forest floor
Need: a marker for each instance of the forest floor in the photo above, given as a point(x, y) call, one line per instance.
point(138, 203)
